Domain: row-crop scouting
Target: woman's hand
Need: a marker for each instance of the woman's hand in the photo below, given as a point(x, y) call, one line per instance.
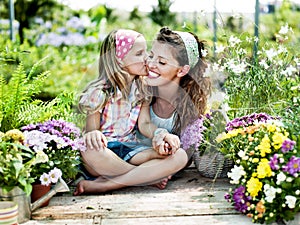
point(95, 140)
point(166, 143)
point(172, 143)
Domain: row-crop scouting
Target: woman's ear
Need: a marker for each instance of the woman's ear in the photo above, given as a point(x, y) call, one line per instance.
point(183, 71)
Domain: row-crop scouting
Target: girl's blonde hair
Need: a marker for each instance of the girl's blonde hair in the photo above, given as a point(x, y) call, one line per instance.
point(111, 77)
point(195, 88)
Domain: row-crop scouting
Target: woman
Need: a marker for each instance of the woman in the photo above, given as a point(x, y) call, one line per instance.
point(176, 69)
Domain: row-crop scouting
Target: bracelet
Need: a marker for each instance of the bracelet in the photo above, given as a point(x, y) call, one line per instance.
point(159, 136)
point(160, 131)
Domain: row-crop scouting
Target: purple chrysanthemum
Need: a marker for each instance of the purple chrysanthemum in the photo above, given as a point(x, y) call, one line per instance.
point(274, 162)
point(240, 199)
point(193, 134)
point(287, 145)
point(247, 120)
point(293, 166)
point(59, 132)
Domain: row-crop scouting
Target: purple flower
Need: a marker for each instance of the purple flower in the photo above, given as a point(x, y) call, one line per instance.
point(193, 134)
point(240, 199)
point(227, 197)
point(287, 145)
point(274, 162)
point(293, 166)
point(247, 120)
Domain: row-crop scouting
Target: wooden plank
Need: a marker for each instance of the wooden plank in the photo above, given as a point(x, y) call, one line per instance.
point(178, 220)
point(191, 220)
point(136, 205)
point(64, 221)
point(188, 195)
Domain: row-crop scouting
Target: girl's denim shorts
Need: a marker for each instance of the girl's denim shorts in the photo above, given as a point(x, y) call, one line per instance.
point(126, 150)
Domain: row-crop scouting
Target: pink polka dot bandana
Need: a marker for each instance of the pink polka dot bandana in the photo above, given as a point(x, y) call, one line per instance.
point(124, 42)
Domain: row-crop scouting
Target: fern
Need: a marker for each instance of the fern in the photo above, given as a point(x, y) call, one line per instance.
point(60, 107)
point(18, 93)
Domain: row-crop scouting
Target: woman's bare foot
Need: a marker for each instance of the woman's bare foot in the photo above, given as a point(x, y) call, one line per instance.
point(162, 184)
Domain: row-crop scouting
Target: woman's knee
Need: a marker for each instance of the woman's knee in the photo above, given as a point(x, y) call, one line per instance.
point(181, 158)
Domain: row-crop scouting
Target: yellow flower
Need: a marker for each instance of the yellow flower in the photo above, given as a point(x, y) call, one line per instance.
point(264, 169)
point(221, 137)
point(271, 127)
point(264, 146)
point(15, 135)
point(253, 186)
point(255, 160)
point(278, 139)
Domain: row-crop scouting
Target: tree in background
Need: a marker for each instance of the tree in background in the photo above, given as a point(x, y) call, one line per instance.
point(162, 15)
point(102, 11)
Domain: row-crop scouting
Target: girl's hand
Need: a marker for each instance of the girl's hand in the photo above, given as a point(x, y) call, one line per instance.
point(95, 140)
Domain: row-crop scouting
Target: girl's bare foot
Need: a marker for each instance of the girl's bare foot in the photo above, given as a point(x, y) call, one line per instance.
point(91, 186)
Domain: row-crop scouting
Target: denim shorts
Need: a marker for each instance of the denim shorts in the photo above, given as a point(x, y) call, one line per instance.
point(126, 150)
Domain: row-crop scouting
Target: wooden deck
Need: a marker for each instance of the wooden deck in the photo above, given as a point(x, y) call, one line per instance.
point(188, 199)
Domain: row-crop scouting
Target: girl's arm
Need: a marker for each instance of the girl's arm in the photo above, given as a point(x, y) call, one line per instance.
point(93, 137)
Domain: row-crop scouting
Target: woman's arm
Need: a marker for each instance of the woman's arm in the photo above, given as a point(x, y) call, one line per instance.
point(145, 126)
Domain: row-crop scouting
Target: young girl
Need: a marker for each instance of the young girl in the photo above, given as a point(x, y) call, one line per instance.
point(176, 69)
point(113, 102)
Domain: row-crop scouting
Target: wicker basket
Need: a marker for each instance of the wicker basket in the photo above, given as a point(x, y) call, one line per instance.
point(212, 165)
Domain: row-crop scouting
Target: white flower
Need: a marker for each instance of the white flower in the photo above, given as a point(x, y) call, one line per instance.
point(242, 155)
point(41, 157)
point(236, 173)
point(234, 41)
point(271, 53)
point(54, 175)
point(45, 179)
point(237, 68)
point(290, 201)
point(289, 71)
point(270, 193)
point(280, 178)
point(264, 64)
point(220, 48)
point(284, 29)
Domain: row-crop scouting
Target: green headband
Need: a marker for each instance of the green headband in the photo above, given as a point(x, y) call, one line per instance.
point(191, 47)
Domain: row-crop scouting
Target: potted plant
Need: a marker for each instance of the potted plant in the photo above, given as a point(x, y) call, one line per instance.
point(17, 162)
point(61, 141)
point(267, 167)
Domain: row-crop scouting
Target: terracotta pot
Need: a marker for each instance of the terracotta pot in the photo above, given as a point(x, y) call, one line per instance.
point(38, 191)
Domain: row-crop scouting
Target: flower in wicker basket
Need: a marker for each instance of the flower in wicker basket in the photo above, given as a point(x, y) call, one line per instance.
point(200, 136)
point(267, 167)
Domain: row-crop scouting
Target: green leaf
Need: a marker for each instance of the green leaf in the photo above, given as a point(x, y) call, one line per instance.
point(18, 167)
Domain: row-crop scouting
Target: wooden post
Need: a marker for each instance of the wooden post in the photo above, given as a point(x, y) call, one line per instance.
point(256, 25)
point(11, 19)
point(215, 27)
